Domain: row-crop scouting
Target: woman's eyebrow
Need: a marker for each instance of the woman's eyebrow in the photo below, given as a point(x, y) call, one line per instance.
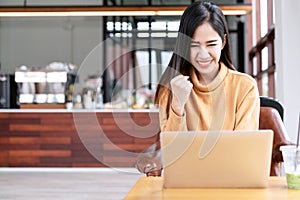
point(211, 41)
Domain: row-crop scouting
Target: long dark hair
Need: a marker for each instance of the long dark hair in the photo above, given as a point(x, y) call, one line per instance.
point(195, 15)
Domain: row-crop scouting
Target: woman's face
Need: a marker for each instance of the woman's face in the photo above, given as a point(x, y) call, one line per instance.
point(206, 46)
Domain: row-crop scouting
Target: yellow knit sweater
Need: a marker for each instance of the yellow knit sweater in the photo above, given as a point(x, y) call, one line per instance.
point(229, 102)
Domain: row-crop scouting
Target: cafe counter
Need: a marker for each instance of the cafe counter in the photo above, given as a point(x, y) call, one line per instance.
point(75, 138)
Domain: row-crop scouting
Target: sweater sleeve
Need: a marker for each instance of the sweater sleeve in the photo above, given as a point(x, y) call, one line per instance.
point(173, 122)
point(247, 115)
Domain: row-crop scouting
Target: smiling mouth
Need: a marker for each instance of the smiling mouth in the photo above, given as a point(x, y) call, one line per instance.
point(204, 62)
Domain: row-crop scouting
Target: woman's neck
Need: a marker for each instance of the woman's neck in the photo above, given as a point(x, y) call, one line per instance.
point(205, 79)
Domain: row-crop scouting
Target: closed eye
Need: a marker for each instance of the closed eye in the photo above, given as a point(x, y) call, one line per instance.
point(194, 45)
point(210, 43)
point(213, 44)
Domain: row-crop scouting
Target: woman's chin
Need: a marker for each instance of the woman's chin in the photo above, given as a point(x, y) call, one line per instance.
point(204, 69)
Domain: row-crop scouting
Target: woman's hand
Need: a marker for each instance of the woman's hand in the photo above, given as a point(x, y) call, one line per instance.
point(181, 89)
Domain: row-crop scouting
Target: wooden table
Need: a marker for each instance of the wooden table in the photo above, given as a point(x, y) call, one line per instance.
point(152, 188)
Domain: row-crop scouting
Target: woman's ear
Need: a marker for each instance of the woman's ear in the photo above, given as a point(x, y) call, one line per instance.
point(224, 41)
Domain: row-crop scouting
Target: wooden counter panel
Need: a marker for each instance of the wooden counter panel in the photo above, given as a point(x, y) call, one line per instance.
point(23, 161)
point(39, 153)
point(40, 140)
point(40, 127)
point(3, 158)
point(50, 139)
point(4, 116)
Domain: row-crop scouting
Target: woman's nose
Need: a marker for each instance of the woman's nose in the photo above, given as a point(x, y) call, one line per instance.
point(202, 52)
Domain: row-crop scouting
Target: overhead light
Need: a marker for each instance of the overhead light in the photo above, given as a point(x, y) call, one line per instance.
point(76, 14)
point(238, 9)
point(234, 12)
point(59, 11)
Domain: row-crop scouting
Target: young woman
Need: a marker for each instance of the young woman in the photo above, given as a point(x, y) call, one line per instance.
point(201, 90)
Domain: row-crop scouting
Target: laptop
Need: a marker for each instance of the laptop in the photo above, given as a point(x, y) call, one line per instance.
point(216, 159)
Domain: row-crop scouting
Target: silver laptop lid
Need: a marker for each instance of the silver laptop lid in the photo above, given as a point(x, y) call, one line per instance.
point(216, 158)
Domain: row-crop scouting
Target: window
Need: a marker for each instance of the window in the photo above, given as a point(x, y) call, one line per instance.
point(139, 50)
point(261, 53)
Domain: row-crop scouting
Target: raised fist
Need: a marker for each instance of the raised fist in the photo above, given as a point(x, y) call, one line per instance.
point(181, 89)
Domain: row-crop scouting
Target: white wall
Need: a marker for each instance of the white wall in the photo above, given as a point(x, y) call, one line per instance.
point(37, 42)
point(287, 55)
